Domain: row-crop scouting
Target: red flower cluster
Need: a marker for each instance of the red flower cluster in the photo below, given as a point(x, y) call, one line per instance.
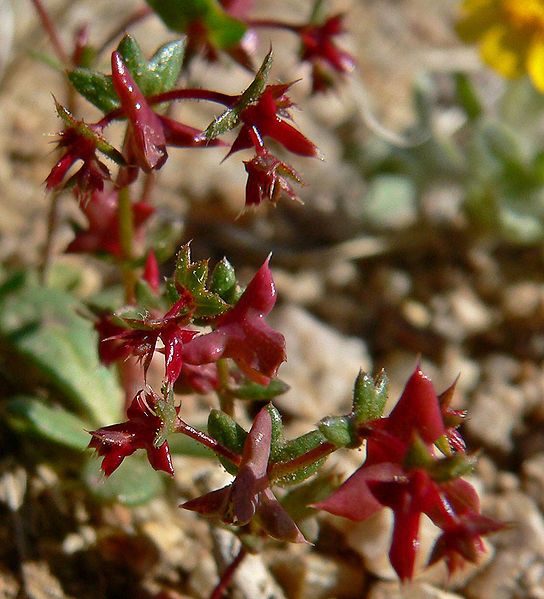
point(402, 471)
point(241, 333)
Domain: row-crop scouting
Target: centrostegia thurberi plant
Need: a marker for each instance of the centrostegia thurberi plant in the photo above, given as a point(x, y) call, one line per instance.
point(214, 333)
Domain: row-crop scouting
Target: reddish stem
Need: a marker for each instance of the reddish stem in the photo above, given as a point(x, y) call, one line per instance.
point(175, 94)
point(207, 441)
point(271, 24)
point(51, 30)
point(281, 469)
point(226, 577)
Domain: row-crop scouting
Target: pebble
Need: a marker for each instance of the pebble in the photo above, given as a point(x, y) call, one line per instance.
point(321, 368)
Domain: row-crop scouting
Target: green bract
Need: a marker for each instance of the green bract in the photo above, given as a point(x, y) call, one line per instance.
point(156, 76)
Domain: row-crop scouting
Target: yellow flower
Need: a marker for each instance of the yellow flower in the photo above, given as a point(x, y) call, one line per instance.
point(510, 34)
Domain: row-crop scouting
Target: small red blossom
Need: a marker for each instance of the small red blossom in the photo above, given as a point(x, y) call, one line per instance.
point(462, 541)
point(243, 334)
point(114, 443)
point(320, 50)
point(267, 116)
point(249, 495)
point(141, 341)
point(92, 173)
point(102, 232)
point(392, 477)
point(268, 177)
point(146, 139)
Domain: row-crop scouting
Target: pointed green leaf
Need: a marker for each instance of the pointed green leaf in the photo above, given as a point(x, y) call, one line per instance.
point(33, 416)
point(95, 87)
point(227, 432)
point(166, 63)
point(230, 118)
point(339, 431)
point(223, 278)
point(255, 392)
point(134, 59)
point(87, 132)
point(450, 468)
point(369, 397)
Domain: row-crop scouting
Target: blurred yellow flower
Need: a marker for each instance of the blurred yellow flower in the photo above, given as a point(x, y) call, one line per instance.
point(510, 34)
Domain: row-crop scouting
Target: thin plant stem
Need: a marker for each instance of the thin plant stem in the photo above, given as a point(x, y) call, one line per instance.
point(226, 577)
point(51, 30)
point(126, 238)
point(227, 100)
point(226, 400)
point(207, 441)
point(281, 469)
point(52, 223)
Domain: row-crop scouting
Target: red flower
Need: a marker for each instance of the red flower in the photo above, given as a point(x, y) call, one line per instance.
point(267, 116)
point(102, 233)
point(146, 137)
point(118, 441)
point(243, 334)
point(319, 49)
point(462, 540)
point(141, 340)
point(403, 472)
point(268, 177)
point(249, 495)
point(92, 173)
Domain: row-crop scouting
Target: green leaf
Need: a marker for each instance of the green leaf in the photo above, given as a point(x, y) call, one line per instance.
point(255, 392)
point(224, 31)
point(134, 59)
point(33, 416)
point(87, 132)
point(451, 468)
point(133, 483)
point(223, 278)
point(369, 397)
point(42, 334)
point(285, 451)
point(229, 433)
point(166, 63)
point(230, 118)
point(339, 431)
point(193, 277)
point(95, 87)
point(467, 96)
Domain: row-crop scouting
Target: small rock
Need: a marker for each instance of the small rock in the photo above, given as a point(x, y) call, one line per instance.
point(414, 590)
point(39, 583)
point(495, 413)
point(314, 576)
point(321, 366)
point(533, 478)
